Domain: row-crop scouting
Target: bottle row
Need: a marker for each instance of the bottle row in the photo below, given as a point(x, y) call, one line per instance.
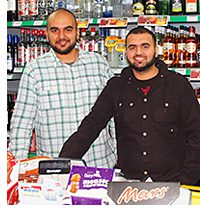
point(26, 47)
point(178, 47)
point(21, 10)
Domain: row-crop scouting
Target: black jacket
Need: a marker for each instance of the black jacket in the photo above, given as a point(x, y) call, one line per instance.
point(158, 135)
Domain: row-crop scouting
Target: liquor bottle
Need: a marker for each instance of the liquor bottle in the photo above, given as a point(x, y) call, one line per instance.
point(88, 7)
point(40, 40)
point(159, 41)
point(101, 43)
point(121, 48)
point(60, 4)
point(108, 8)
point(33, 48)
point(117, 8)
point(168, 48)
point(50, 6)
point(164, 7)
point(110, 43)
point(45, 43)
point(181, 49)
point(98, 8)
point(32, 9)
point(138, 7)
point(22, 10)
point(127, 8)
point(151, 7)
point(177, 7)
point(42, 9)
point(93, 44)
point(82, 39)
point(11, 99)
point(70, 5)
point(9, 54)
point(198, 7)
point(12, 10)
point(198, 50)
point(191, 6)
point(79, 8)
point(21, 48)
point(28, 46)
point(15, 50)
point(191, 48)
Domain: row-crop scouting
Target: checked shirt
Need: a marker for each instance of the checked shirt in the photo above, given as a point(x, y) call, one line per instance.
point(53, 98)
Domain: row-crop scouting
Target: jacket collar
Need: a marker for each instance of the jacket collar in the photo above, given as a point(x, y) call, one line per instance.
point(128, 73)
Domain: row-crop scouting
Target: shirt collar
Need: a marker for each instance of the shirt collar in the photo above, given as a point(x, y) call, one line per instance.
point(82, 56)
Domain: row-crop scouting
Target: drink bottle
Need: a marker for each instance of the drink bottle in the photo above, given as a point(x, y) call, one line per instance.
point(12, 10)
point(164, 7)
point(42, 9)
point(107, 8)
point(15, 50)
point(117, 8)
point(181, 49)
point(191, 6)
point(177, 7)
point(9, 54)
point(32, 9)
point(138, 7)
point(22, 10)
point(151, 7)
point(22, 48)
point(191, 48)
point(98, 8)
point(88, 9)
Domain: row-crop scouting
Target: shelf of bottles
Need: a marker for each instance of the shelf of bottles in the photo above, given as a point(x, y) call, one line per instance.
point(117, 22)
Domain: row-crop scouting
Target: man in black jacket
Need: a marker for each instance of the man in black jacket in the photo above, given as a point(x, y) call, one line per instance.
point(157, 118)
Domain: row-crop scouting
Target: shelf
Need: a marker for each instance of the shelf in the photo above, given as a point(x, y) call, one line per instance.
point(38, 23)
point(185, 19)
point(16, 74)
point(96, 21)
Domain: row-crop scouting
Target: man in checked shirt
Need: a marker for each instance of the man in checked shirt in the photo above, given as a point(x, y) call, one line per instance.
point(56, 91)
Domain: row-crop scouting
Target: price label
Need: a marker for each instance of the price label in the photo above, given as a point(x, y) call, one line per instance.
point(192, 18)
point(9, 77)
point(17, 23)
point(181, 71)
point(132, 20)
point(38, 23)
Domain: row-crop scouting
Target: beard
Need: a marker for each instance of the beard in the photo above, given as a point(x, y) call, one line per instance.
point(146, 67)
point(65, 51)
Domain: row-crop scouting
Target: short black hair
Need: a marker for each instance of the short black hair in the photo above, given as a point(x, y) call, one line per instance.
point(62, 9)
point(141, 30)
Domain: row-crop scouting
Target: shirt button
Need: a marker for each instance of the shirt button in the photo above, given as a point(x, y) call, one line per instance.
point(131, 104)
point(144, 134)
point(120, 104)
point(166, 104)
point(144, 116)
point(144, 153)
point(145, 99)
point(145, 172)
point(171, 130)
point(161, 76)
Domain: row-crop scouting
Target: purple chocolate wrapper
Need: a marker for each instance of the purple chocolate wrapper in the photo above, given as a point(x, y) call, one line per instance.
point(89, 177)
point(85, 201)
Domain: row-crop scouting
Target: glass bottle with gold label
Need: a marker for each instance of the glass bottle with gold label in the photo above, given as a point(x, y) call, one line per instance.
point(138, 7)
point(191, 48)
point(151, 7)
